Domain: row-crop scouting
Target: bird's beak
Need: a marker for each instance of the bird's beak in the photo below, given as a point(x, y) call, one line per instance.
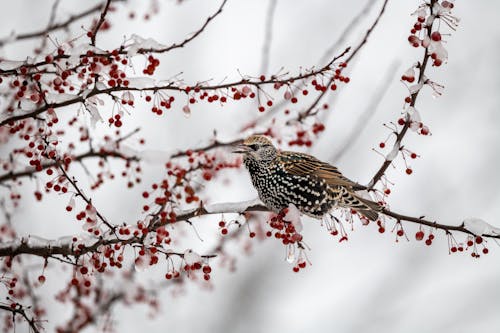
point(241, 149)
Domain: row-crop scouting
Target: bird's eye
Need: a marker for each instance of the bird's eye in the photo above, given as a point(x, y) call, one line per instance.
point(254, 146)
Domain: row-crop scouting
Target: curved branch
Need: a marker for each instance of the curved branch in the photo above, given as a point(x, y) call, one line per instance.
point(57, 26)
point(100, 22)
point(66, 247)
point(29, 172)
point(193, 36)
point(309, 112)
point(171, 87)
point(421, 77)
point(20, 311)
point(121, 50)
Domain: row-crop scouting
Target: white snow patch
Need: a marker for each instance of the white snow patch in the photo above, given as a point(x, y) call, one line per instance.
point(141, 82)
point(393, 153)
point(480, 227)
point(191, 257)
point(59, 98)
point(293, 216)
point(7, 65)
point(142, 43)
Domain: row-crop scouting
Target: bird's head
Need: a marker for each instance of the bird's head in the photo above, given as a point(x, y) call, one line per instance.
point(258, 148)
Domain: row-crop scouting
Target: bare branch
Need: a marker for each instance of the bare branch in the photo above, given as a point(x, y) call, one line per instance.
point(309, 111)
point(268, 36)
point(352, 24)
point(19, 310)
point(99, 23)
point(57, 26)
point(368, 113)
point(87, 200)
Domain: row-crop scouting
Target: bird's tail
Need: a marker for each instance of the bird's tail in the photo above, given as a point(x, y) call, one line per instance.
point(373, 208)
point(366, 207)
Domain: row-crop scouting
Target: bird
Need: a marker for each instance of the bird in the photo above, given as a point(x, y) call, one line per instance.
point(282, 178)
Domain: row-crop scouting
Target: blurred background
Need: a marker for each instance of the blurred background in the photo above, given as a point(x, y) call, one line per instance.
point(370, 283)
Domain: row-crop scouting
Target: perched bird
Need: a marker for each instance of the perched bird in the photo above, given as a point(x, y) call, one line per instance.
point(284, 177)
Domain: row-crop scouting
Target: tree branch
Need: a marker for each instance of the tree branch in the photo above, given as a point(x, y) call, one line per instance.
point(171, 87)
point(29, 172)
point(99, 23)
point(268, 36)
point(54, 27)
point(66, 247)
point(18, 310)
point(309, 111)
point(399, 138)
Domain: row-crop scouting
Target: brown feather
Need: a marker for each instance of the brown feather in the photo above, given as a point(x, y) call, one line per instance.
point(302, 164)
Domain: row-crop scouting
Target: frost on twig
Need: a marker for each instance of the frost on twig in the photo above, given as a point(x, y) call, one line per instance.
point(480, 227)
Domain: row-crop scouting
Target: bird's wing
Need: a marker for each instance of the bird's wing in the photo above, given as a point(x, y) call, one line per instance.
point(302, 164)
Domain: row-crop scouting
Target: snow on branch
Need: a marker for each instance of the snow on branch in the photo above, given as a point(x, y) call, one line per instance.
point(76, 246)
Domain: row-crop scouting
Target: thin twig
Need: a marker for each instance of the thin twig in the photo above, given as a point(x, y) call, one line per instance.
point(368, 113)
point(58, 26)
point(268, 36)
point(20, 311)
point(99, 23)
point(310, 110)
point(88, 201)
point(57, 247)
point(381, 171)
point(87, 155)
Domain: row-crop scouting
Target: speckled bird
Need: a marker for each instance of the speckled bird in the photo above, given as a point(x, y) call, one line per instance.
point(284, 177)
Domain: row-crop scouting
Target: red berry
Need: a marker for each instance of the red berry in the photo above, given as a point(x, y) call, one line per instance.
point(419, 235)
point(436, 36)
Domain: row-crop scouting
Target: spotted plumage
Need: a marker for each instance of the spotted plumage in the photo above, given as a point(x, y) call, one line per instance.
point(283, 177)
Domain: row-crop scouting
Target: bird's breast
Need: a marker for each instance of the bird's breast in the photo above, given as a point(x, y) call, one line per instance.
point(278, 189)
